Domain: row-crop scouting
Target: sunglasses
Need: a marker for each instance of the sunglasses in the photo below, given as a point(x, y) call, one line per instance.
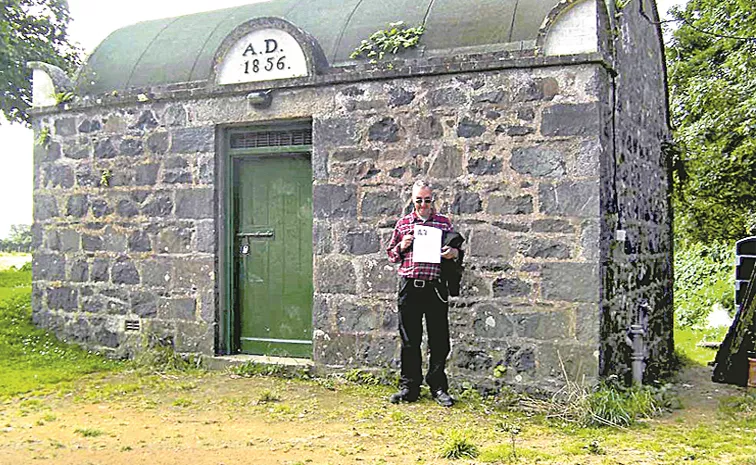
point(421, 200)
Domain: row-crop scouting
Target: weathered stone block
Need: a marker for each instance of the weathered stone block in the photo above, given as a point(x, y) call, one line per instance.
point(191, 140)
point(399, 97)
point(63, 298)
point(537, 247)
point(321, 237)
point(91, 243)
point(45, 207)
point(79, 272)
point(587, 319)
point(69, 240)
point(538, 160)
point(90, 125)
point(174, 240)
point(194, 273)
point(448, 163)
point(156, 273)
point(361, 242)
point(572, 198)
point(448, 96)
point(429, 128)
point(177, 309)
point(466, 202)
point(44, 153)
point(60, 176)
point(146, 121)
point(124, 272)
point(175, 115)
point(157, 142)
point(484, 166)
point(159, 206)
point(383, 203)
point(139, 241)
point(571, 120)
point(511, 287)
point(572, 282)
point(105, 149)
point(49, 267)
point(379, 276)
point(131, 147)
point(127, 208)
point(65, 127)
point(100, 270)
point(194, 203)
point(334, 201)
point(506, 205)
point(355, 317)
point(468, 128)
point(589, 239)
point(385, 129)
point(471, 359)
point(334, 131)
point(146, 175)
point(553, 225)
point(351, 154)
point(378, 351)
point(334, 275)
point(490, 244)
point(205, 236)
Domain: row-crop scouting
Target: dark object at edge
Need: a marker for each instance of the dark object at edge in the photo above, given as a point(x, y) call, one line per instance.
point(451, 270)
point(731, 363)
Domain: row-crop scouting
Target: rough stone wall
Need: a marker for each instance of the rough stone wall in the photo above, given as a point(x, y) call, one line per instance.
point(636, 273)
point(515, 158)
point(124, 227)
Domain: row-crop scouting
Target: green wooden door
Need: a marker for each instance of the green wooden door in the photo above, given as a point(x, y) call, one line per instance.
point(273, 244)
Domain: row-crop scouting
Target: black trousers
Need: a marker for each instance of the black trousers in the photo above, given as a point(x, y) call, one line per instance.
point(414, 303)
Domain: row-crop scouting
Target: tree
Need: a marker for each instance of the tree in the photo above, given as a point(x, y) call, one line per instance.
point(31, 30)
point(19, 239)
point(712, 75)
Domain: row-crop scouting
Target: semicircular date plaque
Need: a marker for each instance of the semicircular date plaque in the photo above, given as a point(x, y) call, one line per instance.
point(263, 55)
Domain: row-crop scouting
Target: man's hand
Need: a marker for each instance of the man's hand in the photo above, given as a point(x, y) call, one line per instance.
point(406, 242)
point(449, 252)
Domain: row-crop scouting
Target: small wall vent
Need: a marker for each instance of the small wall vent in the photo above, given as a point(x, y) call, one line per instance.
point(132, 325)
point(259, 139)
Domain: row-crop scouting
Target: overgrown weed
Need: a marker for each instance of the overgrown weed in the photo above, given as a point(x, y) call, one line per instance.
point(251, 369)
point(459, 445)
point(606, 404)
point(157, 355)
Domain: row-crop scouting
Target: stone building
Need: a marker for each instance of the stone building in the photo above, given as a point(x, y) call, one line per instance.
point(226, 181)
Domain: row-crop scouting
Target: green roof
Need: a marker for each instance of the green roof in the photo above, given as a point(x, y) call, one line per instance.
point(181, 49)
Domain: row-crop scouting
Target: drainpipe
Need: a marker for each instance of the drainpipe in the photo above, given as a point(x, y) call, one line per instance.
point(635, 340)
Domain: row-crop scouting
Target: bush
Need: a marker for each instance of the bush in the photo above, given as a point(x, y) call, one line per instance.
point(704, 276)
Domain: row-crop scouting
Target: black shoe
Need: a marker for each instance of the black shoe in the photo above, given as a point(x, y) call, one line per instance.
point(404, 395)
point(443, 398)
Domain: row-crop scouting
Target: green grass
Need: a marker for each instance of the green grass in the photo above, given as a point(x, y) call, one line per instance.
point(686, 340)
point(34, 359)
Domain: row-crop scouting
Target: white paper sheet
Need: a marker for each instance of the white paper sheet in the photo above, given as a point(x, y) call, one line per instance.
point(426, 247)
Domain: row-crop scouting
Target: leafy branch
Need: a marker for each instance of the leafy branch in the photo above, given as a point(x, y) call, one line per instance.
point(397, 37)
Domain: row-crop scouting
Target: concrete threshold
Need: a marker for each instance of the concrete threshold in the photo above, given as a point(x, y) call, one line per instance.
point(222, 362)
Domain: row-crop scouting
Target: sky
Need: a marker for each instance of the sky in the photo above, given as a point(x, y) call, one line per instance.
point(92, 21)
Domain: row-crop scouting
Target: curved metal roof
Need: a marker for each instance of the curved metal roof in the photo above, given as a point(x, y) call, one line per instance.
point(181, 49)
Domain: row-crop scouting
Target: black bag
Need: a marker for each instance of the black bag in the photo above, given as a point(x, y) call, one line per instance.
point(451, 270)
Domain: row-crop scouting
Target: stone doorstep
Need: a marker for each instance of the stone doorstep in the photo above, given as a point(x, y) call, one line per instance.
point(226, 361)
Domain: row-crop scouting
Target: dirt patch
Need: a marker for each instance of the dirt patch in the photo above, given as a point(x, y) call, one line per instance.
point(217, 419)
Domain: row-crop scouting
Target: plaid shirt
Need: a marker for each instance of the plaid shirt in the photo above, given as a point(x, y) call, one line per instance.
point(406, 225)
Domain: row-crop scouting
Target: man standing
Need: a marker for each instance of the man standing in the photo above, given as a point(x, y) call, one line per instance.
point(421, 293)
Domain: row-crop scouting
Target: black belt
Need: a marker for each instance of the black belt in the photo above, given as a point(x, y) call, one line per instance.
point(421, 283)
